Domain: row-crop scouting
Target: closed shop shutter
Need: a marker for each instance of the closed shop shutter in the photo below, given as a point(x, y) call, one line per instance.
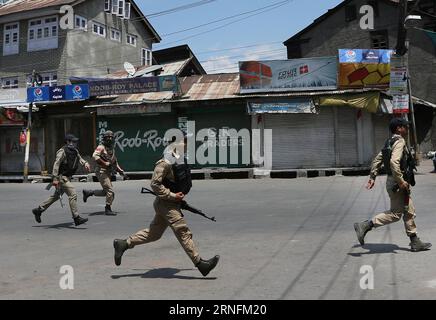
point(302, 140)
point(347, 137)
point(381, 131)
point(214, 119)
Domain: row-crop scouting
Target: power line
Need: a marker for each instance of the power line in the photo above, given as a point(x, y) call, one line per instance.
point(275, 5)
point(271, 7)
point(180, 8)
point(236, 48)
point(222, 19)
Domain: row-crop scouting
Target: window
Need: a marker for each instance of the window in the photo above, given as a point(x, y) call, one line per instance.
point(43, 34)
point(121, 4)
point(114, 6)
point(115, 35)
point(379, 39)
point(132, 40)
point(107, 5)
point(146, 57)
point(350, 13)
point(49, 79)
point(9, 83)
point(127, 11)
point(11, 38)
point(99, 29)
point(81, 23)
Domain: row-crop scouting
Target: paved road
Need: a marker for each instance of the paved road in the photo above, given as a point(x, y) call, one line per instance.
point(278, 239)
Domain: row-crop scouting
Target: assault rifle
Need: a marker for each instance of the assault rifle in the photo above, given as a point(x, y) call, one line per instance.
point(59, 192)
point(113, 167)
point(183, 204)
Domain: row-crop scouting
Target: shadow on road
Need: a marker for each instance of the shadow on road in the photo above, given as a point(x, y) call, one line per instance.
point(376, 248)
point(67, 225)
point(163, 273)
point(98, 213)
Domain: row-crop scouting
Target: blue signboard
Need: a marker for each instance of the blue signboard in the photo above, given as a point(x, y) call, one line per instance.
point(293, 106)
point(378, 56)
point(58, 93)
point(77, 92)
point(38, 94)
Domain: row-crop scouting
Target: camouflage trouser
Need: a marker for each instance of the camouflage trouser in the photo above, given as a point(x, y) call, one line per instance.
point(397, 210)
point(68, 188)
point(168, 214)
point(108, 191)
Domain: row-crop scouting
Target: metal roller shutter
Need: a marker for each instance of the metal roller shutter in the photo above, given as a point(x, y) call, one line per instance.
point(347, 137)
point(302, 140)
point(381, 131)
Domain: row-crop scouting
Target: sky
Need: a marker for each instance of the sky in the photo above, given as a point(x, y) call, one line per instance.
point(260, 26)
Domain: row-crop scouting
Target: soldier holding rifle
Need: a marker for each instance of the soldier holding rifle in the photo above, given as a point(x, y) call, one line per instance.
point(171, 182)
point(65, 166)
point(399, 164)
point(107, 166)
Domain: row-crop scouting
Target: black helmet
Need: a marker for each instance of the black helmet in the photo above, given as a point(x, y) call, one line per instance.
point(71, 137)
point(397, 122)
point(108, 134)
point(108, 139)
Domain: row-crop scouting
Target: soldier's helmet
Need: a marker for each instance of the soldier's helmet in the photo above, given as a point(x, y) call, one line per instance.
point(397, 122)
point(108, 134)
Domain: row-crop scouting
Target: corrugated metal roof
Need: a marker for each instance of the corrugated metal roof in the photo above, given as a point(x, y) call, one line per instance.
point(213, 87)
point(210, 87)
point(28, 5)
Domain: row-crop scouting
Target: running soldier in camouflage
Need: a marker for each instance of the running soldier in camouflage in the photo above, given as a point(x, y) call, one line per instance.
point(107, 166)
point(171, 183)
point(65, 166)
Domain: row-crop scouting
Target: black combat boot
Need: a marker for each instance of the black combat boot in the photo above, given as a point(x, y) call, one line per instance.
point(108, 211)
point(37, 213)
point(206, 266)
point(87, 194)
point(79, 220)
point(417, 245)
point(362, 229)
point(120, 246)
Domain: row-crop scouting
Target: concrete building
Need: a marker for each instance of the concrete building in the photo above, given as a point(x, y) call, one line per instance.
point(341, 28)
point(60, 39)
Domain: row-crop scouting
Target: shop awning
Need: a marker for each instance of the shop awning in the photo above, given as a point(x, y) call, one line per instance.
point(368, 101)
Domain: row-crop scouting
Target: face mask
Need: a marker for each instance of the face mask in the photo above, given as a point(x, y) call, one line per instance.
point(72, 145)
point(108, 142)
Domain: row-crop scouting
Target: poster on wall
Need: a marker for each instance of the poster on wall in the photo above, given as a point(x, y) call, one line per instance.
point(364, 68)
point(10, 117)
point(288, 75)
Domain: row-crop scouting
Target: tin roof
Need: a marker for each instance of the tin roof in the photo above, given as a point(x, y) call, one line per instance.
point(209, 87)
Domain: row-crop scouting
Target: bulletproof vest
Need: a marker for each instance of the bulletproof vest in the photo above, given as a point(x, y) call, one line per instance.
point(70, 164)
point(182, 177)
point(387, 154)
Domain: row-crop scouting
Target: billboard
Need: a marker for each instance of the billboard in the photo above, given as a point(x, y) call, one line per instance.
point(109, 87)
point(288, 75)
point(364, 68)
point(58, 93)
